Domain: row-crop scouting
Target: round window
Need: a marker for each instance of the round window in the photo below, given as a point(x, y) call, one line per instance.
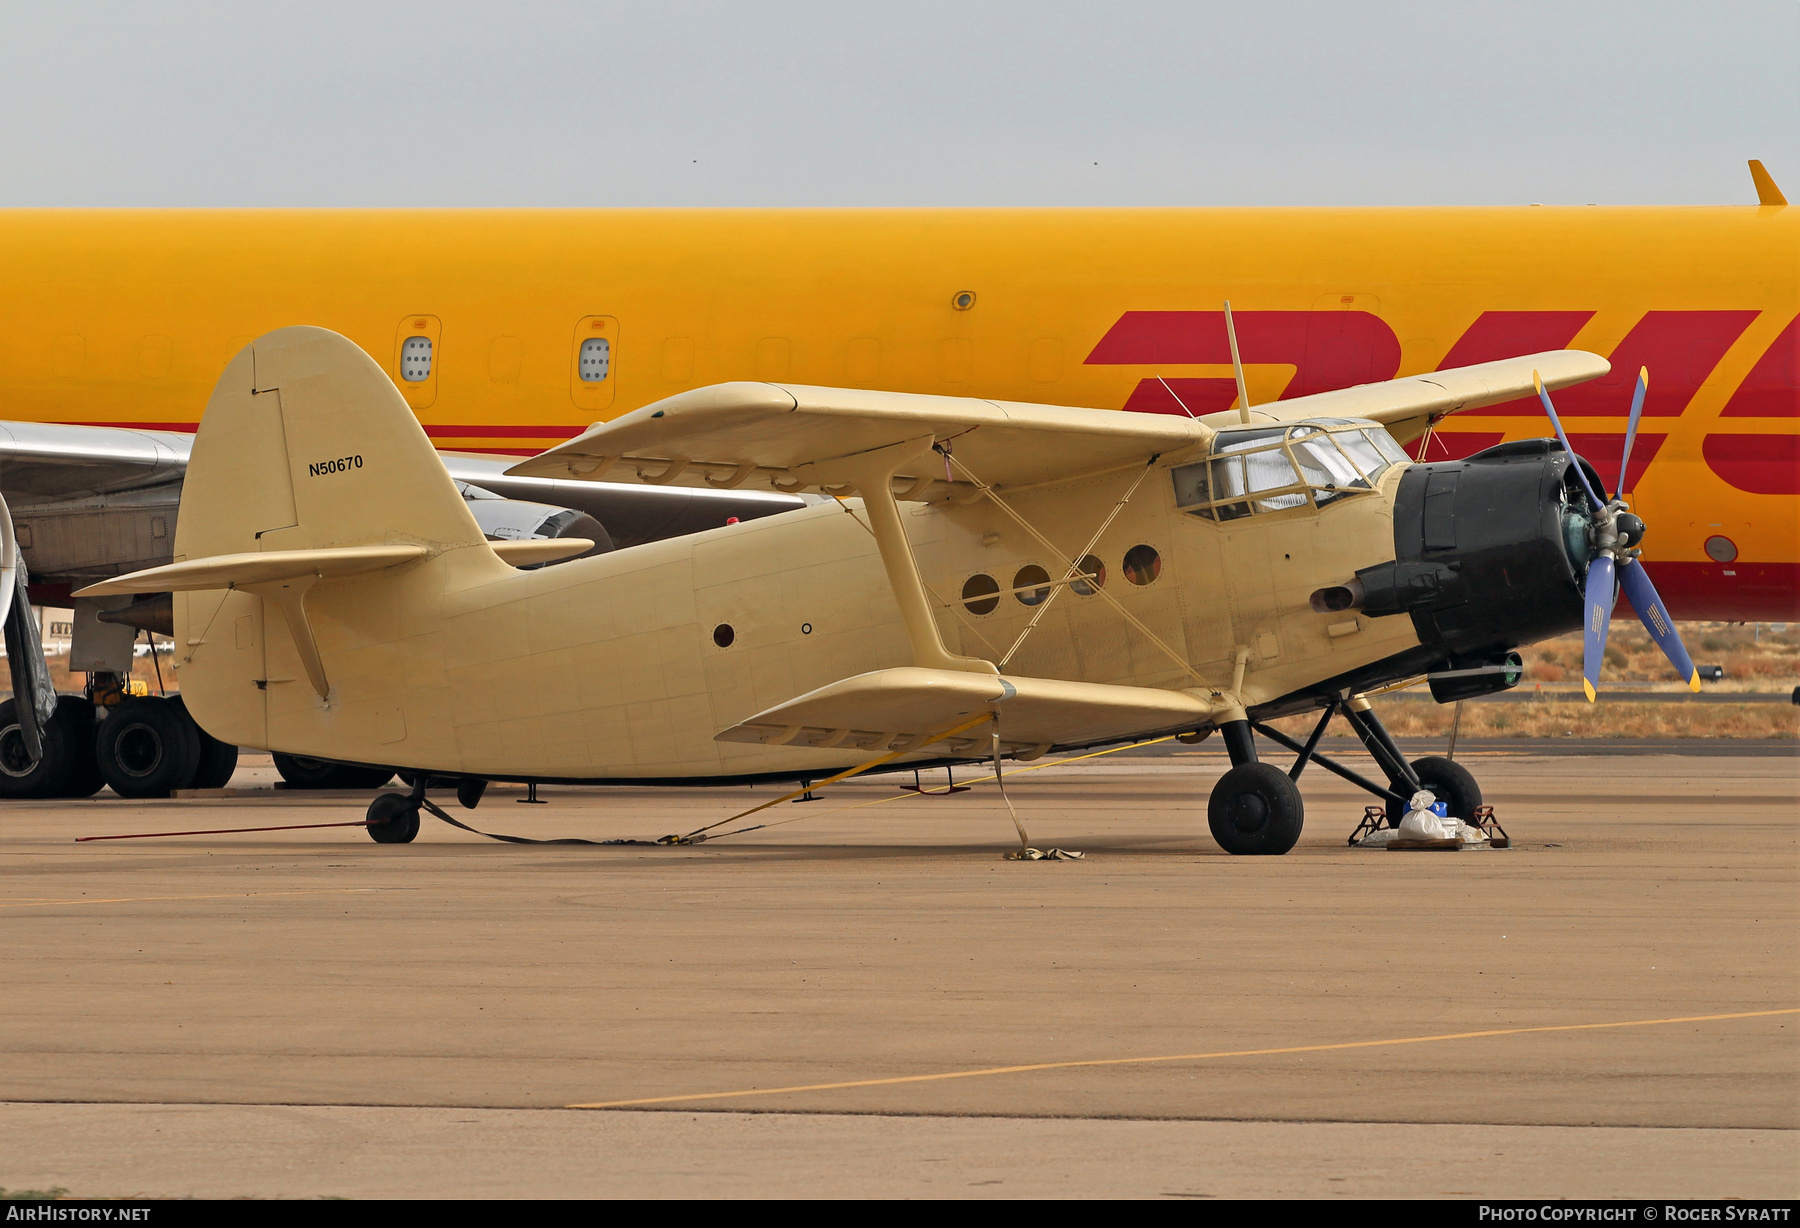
point(1029, 576)
point(979, 594)
point(723, 635)
point(1142, 564)
point(1090, 566)
point(1721, 549)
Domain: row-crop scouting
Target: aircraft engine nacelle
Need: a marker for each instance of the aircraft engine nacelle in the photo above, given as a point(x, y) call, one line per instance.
point(1490, 554)
point(520, 520)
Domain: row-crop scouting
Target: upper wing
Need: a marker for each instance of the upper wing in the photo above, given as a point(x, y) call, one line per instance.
point(727, 434)
point(1405, 406)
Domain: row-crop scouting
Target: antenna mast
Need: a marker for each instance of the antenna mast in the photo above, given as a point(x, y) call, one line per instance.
point(1237, 366)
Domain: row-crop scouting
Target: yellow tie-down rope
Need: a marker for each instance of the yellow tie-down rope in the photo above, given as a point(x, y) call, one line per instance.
point(699, 833)
point(1024, 853)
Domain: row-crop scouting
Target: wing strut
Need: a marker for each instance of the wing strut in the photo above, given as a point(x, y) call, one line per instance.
point(872, 473)
point(1073, 568)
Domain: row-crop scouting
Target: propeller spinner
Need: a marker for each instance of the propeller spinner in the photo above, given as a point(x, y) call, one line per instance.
point(1616, 534)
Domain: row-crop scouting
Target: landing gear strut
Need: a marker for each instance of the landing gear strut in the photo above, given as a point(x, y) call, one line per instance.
point(394, 817)
point(1255, 808)
point(1447, 780)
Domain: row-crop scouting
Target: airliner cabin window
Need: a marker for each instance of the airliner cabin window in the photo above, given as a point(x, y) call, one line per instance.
point(596, 358)
point(415, 360)
point(1274, 469)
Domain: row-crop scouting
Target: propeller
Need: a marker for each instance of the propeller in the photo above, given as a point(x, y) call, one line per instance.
point(1616, 533)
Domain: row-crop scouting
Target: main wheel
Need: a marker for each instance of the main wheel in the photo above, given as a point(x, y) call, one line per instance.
point(301, 772)
point(76, 721)
point(393, 819)
point(1449, 781)
point(148, 748)
point(218, 760)
point(1255, 809)
point(67, 766)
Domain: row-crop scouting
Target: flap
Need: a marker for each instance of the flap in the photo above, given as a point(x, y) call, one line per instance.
point(896, 709)
point(243, 570)
point(729, 434)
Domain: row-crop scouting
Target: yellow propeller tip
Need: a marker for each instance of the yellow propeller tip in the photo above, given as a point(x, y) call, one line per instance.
point(1589, 688)
point(1694, 682)
point(1536, 380)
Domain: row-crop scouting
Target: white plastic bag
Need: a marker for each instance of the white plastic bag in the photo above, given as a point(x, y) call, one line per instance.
point(1423, 823)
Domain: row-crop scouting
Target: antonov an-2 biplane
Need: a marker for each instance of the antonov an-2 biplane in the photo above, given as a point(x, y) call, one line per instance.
point(985, 578)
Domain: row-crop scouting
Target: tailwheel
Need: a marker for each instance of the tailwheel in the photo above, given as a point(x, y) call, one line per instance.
point(1449, 781)
point(1255, 809)
point(393, 819)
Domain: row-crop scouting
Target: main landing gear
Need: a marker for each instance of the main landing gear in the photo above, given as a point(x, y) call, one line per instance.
point(143, 747)
point(1256, 807)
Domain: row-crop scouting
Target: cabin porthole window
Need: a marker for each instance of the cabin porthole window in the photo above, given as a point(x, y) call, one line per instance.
point(723, 635)
point(1142, 565)
point(596, 359)
point(415, 360)
point(980, 594)
point(1026, 582)
point(1721, 549)
point(1089, 566)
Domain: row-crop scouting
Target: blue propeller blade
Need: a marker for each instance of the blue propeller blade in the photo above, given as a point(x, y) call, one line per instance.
point(1655, 617)
point(1637, 408)
point(1599, 618)
point(1544, 396)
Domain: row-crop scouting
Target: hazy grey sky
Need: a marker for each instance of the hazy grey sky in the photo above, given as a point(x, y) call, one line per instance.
point(962, 103)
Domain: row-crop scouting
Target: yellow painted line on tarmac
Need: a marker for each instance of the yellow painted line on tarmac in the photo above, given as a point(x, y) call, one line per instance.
point(1180, 1057)
point(143, 899)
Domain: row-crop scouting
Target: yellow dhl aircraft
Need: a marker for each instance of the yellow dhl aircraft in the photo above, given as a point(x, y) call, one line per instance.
point(508, 331)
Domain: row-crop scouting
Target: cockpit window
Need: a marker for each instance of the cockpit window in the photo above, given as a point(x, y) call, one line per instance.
point(1272, 469)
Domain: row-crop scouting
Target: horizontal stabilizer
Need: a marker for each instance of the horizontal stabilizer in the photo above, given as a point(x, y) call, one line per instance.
point(897, 709)
point(244, 570)
point(541, 550)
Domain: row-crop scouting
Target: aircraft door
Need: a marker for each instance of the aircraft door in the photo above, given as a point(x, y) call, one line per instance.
point(417, 358)
point(594, 362)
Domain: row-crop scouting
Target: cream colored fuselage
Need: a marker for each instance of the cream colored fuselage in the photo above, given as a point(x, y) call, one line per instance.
point(608, 668)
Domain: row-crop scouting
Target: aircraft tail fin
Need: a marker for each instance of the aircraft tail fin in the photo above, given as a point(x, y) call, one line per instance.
point(305, 445)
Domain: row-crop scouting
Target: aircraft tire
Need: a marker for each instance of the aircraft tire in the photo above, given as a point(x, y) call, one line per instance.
point(148, 748)
point(393, 819)
point(1256, 810)
point(67, 767)
point(218, 760)
point(1449, 780)
point(301, 772)
point(75, 718)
